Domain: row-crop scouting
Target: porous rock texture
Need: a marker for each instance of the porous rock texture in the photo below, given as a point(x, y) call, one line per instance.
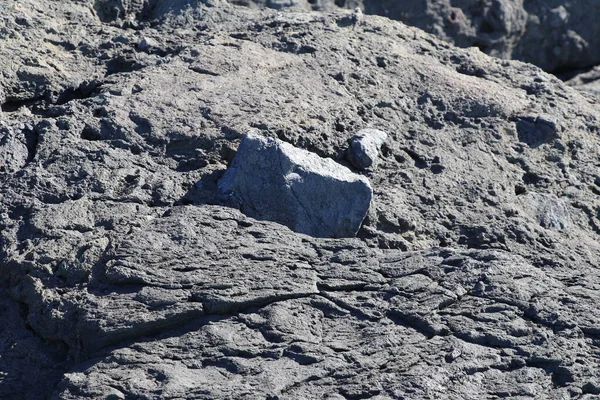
point(588, 81)
point(474, 274)
point(275, 181)
point(556, 35)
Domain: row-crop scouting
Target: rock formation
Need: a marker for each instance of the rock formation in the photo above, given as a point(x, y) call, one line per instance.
point(588, 81)
point(555, 35)
point(473, 275)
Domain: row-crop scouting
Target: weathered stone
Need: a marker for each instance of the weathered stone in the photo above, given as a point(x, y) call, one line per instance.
point(13, 150)
point(536, 131)
point(588, 81)
point(364, 148)
point(273, 180)
point(147, 43)
point(556, 36)
point(474, 274)
point(549, 211)
point(280, 4)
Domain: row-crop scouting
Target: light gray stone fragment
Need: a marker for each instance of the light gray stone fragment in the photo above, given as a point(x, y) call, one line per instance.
point(364, 148)
point(13, 151)
point(535, 131)
point(275, 181)
point(147, 43)
point(548, 210)
point(281, 4)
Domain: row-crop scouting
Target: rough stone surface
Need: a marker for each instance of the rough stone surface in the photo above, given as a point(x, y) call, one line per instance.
point(365, 147)
point(556, 35)
point(276, 181)
point(549, 211)
point(474, 274)
point(588, 81)
point(13, 150)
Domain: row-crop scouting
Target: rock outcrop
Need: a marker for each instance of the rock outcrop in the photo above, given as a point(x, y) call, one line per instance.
point(588, 81)
point(473, 275)
point(555, 35)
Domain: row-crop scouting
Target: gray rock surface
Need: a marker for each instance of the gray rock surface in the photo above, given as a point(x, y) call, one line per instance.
point(474, 274)
point(588, 81)
point(549, 211)
point(365, 147)
point(273, 180)
point(556, 35)
point(13, 150)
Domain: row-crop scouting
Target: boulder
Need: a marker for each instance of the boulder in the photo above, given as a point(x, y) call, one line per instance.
point(273, 180)
point(364, 148)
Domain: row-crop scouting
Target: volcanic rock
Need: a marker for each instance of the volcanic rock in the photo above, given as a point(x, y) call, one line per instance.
point(557, 36)
point(473, 275)
point(276, 181)
point(13, 150)
point(588, 81)
point(364, 148)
